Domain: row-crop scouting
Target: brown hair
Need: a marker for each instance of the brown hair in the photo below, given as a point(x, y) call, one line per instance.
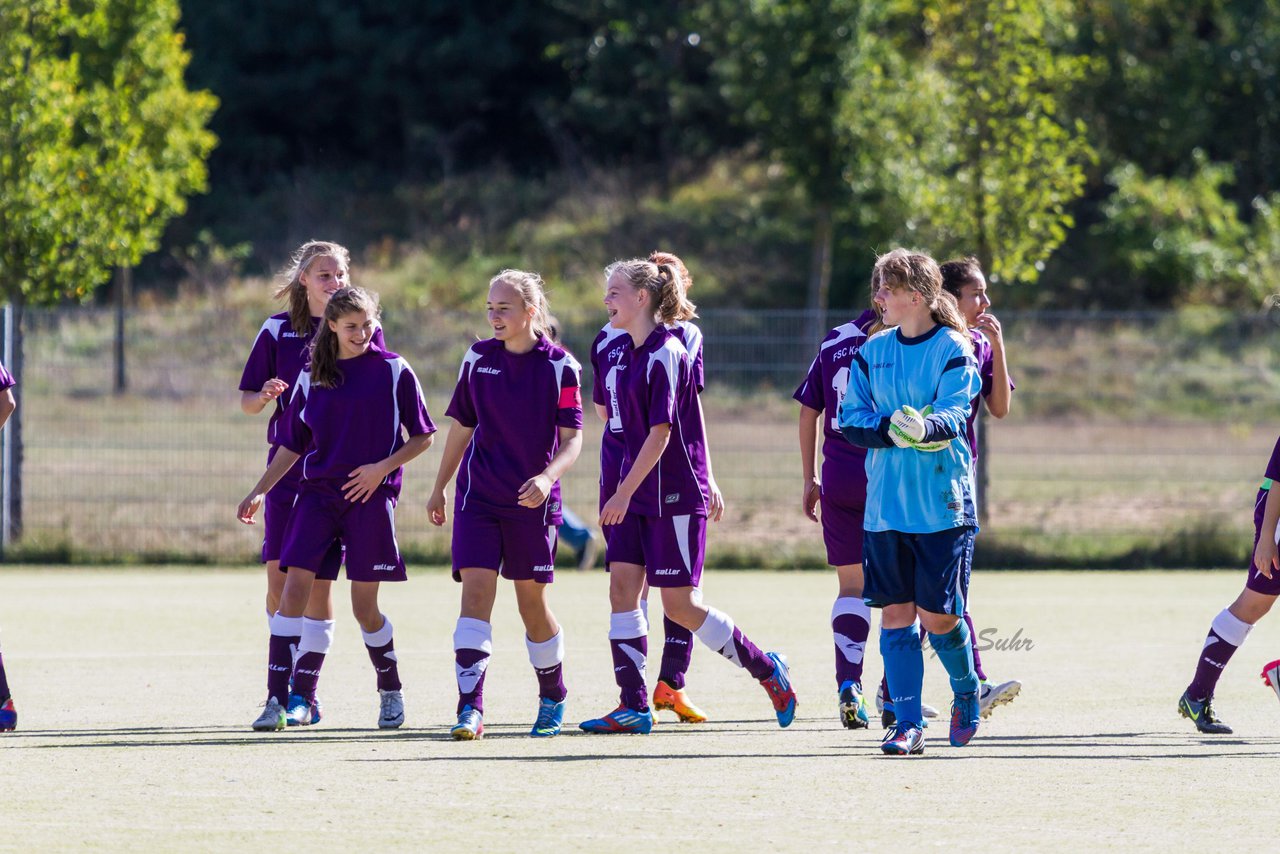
point(324, 347)
point(959, 272)
point(532, 293)
point(918, 273)
point(291, 287)
point(659, 257)
point(877, 325)
point(664, 283)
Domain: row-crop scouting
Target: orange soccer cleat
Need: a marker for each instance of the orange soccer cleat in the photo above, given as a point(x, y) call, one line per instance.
point(675, 700)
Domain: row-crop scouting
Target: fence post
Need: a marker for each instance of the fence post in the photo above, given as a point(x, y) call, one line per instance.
point(124, 284)
point(8, 462)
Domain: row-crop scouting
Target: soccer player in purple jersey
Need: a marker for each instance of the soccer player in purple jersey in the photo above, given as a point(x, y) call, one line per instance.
point(279, 354)
point(659, 510)
point(1230, 628)
point(963, 279)
point(517, 428)
point(8, 714)
point(670, 692)
point(346, 420)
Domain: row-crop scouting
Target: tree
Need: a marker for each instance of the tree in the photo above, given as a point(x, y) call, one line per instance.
point(100, 145)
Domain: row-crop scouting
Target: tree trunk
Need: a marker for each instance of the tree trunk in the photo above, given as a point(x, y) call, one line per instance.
point(819, 275)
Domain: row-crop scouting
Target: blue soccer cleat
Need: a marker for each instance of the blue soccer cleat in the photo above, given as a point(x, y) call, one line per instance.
point(853, 708)
point(470, 725)
point(550, 718)
point(778, 686)
point(903, 740)
point(301, 713)
point(8, 716)
point(621, 720)
point(964, 718)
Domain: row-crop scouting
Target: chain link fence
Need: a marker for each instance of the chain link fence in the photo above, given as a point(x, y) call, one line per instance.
point(1134, 438)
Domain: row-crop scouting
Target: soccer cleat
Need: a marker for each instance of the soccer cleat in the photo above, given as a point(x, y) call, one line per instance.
point(778, 687)
point(666, 698)
point(853, 708)
point(888, 720)
point(903, 741)
point(470, 725)
point(272, 718)
point(621, 720)
point(1202, 715)
point(990, 696)
point(391, 709)
point(8, 716)
point(301, 713)
point(550, 718)
point(1270, 675)
point(964, 718)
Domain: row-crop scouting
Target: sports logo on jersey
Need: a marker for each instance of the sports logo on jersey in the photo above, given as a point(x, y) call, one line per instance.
point(671, 498)
point(484, 370)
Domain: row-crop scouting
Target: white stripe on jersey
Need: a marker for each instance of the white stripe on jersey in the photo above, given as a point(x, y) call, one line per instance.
point(692, 336)
point(272, 326)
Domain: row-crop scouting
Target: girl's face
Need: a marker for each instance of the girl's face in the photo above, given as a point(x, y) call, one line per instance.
point(510, 318)
point(973, 299)
point(896, 304)
point(355, 331)
point(323, 277)
point(623, 302)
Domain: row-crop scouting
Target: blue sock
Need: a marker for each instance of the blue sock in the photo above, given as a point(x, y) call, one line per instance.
point(904, 669)
point(955, 651)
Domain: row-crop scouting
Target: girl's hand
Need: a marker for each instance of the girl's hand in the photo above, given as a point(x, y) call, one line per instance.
point(615, 509)
point(989, 325)
point(436, 508)
point(1266, 557)
point(364, 482)
point(809, 501)
point(271, 390)
point(249, 508)
point(535, 491)
point(716, 510)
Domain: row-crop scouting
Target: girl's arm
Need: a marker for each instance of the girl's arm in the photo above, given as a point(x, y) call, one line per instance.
point(280, 463)
point(859, 421)
point(1001, 394)
point(253, 402)
point(366, 479)
point(615, 509)
point(7, 406)
point(454, 447)
point(957, 387)
point(537, 488)
point(603, 412)
point(1265, 556)
point(812, 489)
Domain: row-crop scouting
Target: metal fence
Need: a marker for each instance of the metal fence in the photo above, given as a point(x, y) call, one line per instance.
point(1133, 437)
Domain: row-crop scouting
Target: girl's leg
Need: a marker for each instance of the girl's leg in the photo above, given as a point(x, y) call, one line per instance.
point(628, 634)
point(473, 635)
point(850, 624)
point(378, 640)
point(1226, 633)
point(544, 639)
point(275, 586)
point(316, 640)
point(286, 633)
point(903, 662)
point(677, 648)
point(949, 637)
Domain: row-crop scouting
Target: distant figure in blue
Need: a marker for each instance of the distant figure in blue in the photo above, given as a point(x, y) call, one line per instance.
point(908, 400)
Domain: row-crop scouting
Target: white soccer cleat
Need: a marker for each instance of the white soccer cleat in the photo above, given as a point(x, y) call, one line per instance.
point(1271, 675)
point(391, 713)
point(272, 718)
point(990, 696)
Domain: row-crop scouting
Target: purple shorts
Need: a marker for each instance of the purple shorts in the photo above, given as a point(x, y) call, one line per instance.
point(276, 511)
point(1258, 582)
point(670, 548)
point(518, 550)
point(322, 518)
point(842, 532)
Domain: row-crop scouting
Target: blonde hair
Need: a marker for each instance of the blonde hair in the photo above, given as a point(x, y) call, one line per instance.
point(325, 372)
point(664, 283)
point(659, 257)
point(918, 273)
point(291, 287)
point(877, 325)
point(533, 294)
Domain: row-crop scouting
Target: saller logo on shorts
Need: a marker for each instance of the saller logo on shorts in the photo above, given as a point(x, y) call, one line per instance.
point(384, 567)
point(672, 498)
point(547, 568)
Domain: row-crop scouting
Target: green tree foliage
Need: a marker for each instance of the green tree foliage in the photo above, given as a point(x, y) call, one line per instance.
point(100, 141)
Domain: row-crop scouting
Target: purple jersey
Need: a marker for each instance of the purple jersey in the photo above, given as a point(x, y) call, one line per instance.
point(360, 421)
point(516, 403)
point(606, 353)
point(655, 384)
point(983, 353)
point(6, 378)
point(281, 353)
point(844, 464)
point(866, 320)
point(1269, 483)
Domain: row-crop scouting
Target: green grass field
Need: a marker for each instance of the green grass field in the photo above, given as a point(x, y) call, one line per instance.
point(136, 690)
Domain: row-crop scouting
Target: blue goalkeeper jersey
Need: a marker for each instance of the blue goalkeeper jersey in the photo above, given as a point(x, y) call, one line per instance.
point(911, 491)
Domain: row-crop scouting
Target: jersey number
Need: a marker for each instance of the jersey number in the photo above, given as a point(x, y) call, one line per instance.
point(840, 385)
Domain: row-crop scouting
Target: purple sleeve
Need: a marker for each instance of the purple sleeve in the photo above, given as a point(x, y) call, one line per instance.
point(1273, 467)
point(662, 392)
point(866, 320)
point(377, 340)
point(599, 394)
point(569, 408)
point(699, 378)
point(810, 392)
point(261, 365)
point(293, 432)
point(413, 409)
point(986, 364)
point(6, 378)
point(462, 408)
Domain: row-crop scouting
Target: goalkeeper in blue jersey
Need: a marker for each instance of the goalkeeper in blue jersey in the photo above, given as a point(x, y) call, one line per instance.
point(908, 398)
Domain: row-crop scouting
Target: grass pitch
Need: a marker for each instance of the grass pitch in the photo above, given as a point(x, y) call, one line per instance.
point(135, 691)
